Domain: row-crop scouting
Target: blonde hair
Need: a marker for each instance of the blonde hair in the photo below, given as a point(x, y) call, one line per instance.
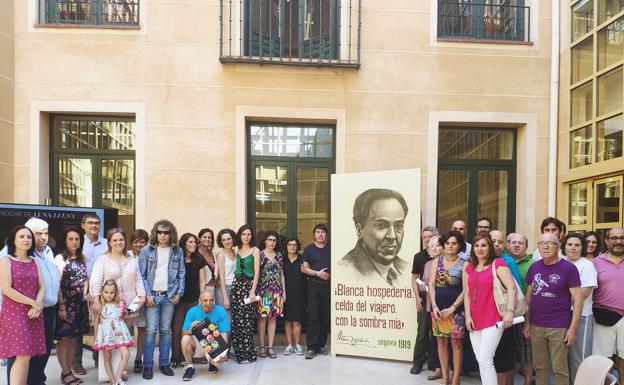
point(110, 282)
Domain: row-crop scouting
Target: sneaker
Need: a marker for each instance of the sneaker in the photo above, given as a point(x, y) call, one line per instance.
point(148, 373)
point(310, 354)
point(212, 369)
point(189, 372)
point(288, 351)
point(166, 370)
point(323, 351)
point(299, 350)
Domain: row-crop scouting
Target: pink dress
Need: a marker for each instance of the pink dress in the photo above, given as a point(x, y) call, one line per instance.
point(19, 335)
point(481, 291)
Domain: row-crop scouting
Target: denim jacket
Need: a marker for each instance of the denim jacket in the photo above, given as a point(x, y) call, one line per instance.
point(148, 261)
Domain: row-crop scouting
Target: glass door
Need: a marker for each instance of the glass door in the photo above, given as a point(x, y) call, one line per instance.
point(312, 200)
point(271, 200)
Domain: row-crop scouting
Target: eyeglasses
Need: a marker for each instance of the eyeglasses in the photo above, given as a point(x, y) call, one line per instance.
point(163, 232)
point(615, 239)
point(547, 244)
point(483, 227)
point(91, 223)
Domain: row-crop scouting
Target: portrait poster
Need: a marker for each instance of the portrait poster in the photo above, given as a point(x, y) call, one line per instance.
point(375, 233)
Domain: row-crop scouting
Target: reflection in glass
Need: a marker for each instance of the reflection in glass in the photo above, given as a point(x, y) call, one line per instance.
point(580, 147)
point(492, 197)
point(475, 143)
point(577, 211)
point(608, 9)
point(582, 59)
point(582, 18)
point(271, 198)
point(610, 91)
point(609, 134)
point(611, 44)
point(608, 195)
point(452, 197)
point(75, 182)
point(312, 200)
point(581, 104)
point(92, 134)
point(291, 141)
point(118, 189)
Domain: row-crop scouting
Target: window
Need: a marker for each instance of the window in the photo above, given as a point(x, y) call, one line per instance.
point(582, 101)
point(577, 210)
point(608, 201)
point(582, 18)
point(580, 147)
point(582, 60)
point(90, 12)
point(608, 8)
point(289, 169)
point(595, 204)
point(611, 44)
point(92, 162)
point(609, 134)
point(610, 91)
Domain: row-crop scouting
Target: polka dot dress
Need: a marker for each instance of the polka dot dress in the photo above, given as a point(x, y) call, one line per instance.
point(19, 335)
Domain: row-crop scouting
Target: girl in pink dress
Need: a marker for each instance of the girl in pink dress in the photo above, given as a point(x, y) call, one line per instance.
point(21, 335)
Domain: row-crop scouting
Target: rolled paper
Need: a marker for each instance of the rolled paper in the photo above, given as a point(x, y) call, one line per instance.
point(515, 321)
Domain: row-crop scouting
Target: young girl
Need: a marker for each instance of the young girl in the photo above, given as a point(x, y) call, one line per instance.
point(112, 332)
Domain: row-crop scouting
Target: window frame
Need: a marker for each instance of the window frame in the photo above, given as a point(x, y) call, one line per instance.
point(47, 16)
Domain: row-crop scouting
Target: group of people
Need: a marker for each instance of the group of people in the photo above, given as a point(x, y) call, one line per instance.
point(162, 286)
point(528, 311)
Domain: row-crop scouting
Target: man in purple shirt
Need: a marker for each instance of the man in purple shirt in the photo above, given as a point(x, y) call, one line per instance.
point(554, 286)
point(608, 307)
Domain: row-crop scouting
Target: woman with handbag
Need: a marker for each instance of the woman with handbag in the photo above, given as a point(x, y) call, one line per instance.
point(482, 311)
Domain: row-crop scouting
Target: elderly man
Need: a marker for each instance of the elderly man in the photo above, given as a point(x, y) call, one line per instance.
point(608, 304)
point(379, 218)
point(555, 288)
point(44, 257)
point(460, 226)
point(195, 315)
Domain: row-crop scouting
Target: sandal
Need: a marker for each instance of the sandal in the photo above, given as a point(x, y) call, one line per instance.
point(271, 353)
point(124, 377)
point(434, 377)
point(138, 366)
point(75, 381)
point(262, 352)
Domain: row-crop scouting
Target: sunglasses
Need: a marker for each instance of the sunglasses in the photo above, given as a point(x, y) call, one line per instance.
point(163, 232)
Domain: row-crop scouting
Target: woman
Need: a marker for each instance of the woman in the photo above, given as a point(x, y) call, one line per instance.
point(206, 243)
point(446, 296)
point(592, 239)
point(271, 291)
point(138, 240)
point(295, 307)
point(244, 287)
point(21, 335)
point(226, 264)
point(481, 311)
point(434, 249)
point(574, 247)
point(193, 285)
point(72, 314)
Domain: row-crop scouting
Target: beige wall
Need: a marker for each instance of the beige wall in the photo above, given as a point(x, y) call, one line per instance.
point(171, 67)
point(7, 85)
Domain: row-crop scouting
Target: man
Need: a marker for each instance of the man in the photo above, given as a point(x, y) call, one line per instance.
point(554, 288)
point(421, 346)
point(162, 267)
point(484, 224)
point(460, 226)
point(44, 256)
point(498, 239)
point(195, 315)
point(93, 247)
point(554, 226)
point(379, 217)
point(517, 245)
point(316, 265)
point(609, 301)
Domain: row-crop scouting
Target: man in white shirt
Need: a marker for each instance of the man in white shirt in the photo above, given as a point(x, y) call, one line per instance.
point(555, 226)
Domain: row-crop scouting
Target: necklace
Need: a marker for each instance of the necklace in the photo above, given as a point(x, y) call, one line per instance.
point(474, 295)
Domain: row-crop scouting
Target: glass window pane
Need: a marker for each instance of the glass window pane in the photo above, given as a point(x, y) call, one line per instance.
point(580, 147)
point(452, 197)
point(291, 141)
point(582, 102)
point(312, 200)
point(608, 195)
point(475, 143)
point(577, 211)
point(582, 59)
point(492, 197)
point(118, 189)
point(608, 9)
point(271, 198)
point(609, 135)
point(75, 182)
point(610, 91)
point(611, 44)
point(582, 18)
point(93, 134)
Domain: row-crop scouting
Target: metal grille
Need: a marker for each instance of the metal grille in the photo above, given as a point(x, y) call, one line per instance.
point(298, 32)
point(94, 12)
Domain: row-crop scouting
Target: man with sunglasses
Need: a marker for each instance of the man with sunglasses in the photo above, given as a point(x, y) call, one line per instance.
point(162, 267)
point(608, 306)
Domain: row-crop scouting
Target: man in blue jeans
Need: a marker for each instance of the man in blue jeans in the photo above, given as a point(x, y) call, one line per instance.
point(162, 266)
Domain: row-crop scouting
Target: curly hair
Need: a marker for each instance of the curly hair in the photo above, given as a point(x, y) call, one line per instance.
point(173, 236)
point(265, 236)
point(226, 231)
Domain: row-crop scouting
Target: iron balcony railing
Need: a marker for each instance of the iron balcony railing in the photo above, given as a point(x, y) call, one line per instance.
point(294, 32)
point(91, 12)
point(470, 20)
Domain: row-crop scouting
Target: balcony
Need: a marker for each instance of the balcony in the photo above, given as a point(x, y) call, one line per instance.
point(477, 21)
point(108, 13)
point(324, 33)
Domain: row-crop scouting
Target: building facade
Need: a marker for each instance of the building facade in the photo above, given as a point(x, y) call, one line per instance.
point(218, 113)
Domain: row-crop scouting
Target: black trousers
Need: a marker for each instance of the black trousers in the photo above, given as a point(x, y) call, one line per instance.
point(37, 365)
point(426, 345)
point(319, 297)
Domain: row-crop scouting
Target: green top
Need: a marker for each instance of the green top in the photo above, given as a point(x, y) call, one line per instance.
point(244, 266)
point(523, 267)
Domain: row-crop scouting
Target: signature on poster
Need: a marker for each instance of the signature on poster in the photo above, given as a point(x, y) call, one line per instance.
point(353, 341)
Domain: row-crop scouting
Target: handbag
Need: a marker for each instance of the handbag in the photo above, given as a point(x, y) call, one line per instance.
point(605, 317)
point(500, 296)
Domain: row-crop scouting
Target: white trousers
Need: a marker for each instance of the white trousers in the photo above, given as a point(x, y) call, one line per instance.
point(484, 343)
